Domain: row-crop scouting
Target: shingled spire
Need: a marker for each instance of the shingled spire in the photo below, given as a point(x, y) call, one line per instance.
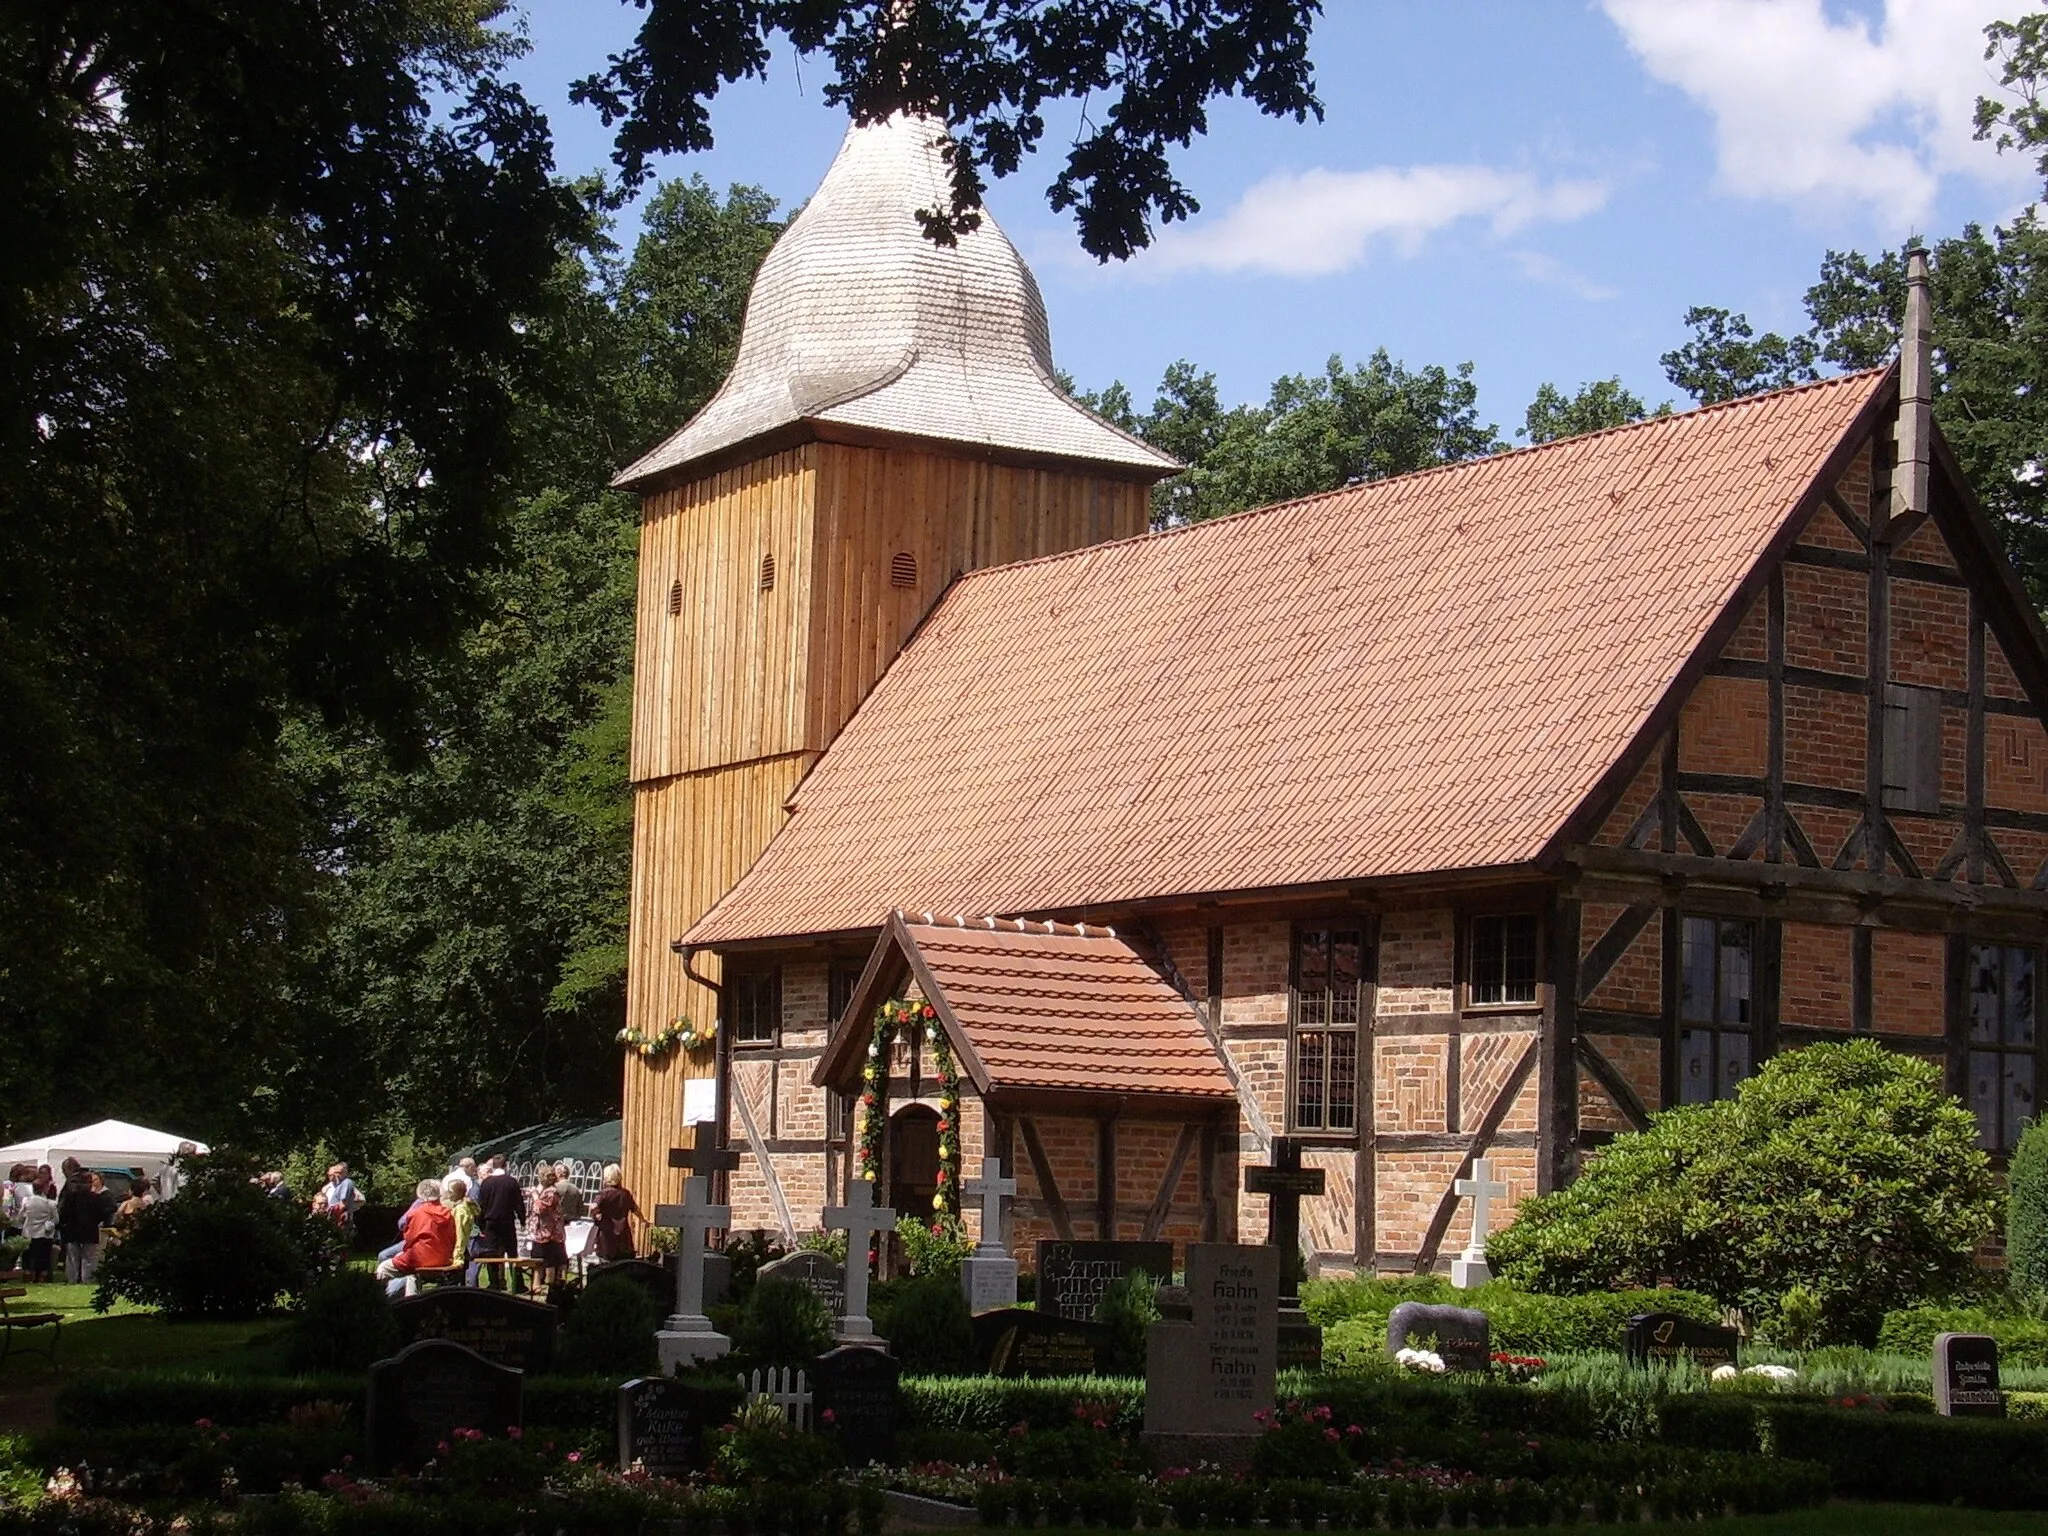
point(858, 321)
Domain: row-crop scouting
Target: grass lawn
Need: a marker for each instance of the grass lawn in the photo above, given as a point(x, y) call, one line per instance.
point(1835, 1520)
point(125, 1338)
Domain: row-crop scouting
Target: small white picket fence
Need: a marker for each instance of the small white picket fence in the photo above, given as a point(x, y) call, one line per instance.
point(786, 1387)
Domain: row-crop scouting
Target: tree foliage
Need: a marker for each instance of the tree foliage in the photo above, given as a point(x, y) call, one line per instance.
point(2026, 1212)
point(1601, 404)
point(1315, 432)
point(1843, 1168)
point(1141, 74)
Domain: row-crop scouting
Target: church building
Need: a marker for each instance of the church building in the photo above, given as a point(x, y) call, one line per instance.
point(1482, 811)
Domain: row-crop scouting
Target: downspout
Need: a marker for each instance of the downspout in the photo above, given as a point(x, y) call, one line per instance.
point(721, 1065)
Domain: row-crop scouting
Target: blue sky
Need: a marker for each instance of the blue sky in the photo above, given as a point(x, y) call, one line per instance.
point(1540, 188)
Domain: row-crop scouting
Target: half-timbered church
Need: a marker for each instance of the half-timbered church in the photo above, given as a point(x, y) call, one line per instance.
point(1481, 811)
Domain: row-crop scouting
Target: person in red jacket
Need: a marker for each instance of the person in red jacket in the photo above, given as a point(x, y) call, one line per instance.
point(429, 1241)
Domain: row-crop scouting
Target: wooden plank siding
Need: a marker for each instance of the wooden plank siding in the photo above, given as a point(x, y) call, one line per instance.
point(739, 689)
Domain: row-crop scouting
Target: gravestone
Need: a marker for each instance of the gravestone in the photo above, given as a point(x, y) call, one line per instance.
point(688, 1336)
point(1470, 1270)
point(856, 1385)
point(662, 1423)
point(1301, 1342)
point(819, 1273)
point(1286, 1184)
point(1073, 1276)
point(1464, 1336)
point(1966, 1376)
point(1665, 1336)
point(1207, 1380)
point(658, 1280)
point(988, 1277)
point(860, 1221)
point(423, 1394)
point(1015, 1341)
point(504, 1329)
point(717, 1279)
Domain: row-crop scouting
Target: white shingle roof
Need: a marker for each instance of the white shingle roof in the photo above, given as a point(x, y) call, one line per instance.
point(857, 318)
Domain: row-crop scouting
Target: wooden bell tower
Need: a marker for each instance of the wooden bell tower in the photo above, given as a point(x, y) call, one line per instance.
point(890, 422)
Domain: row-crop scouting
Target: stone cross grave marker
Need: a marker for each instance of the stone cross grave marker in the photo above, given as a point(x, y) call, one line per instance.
point(688, 1335)
point(1284, 1183)
point(989, 1277)
point(860, 1221)
point(1966, 1376)
point(1469, 1270)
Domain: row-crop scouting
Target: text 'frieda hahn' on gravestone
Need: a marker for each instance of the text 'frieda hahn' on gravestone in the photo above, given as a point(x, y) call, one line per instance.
point(1214, 1374)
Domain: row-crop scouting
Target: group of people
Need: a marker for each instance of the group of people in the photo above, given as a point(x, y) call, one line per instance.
point(76, 1214)
point(470, 1216)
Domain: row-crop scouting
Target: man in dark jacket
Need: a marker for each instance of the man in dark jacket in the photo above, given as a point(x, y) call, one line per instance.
point(501, 1204)
point(79, 1213)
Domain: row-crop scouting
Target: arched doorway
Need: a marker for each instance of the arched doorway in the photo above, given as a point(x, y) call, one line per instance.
point(914, 1161)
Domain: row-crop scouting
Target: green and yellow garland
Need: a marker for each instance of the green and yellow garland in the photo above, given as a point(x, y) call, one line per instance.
point(891, 1018)
point(682, 1033)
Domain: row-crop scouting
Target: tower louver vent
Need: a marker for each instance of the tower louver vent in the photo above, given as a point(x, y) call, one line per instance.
point(903, 569)
point(767, 573)
point(675, 599)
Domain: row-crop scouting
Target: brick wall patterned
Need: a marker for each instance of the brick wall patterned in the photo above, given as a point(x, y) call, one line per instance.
point(1824, 736)
point(1927, 838)
point(1640, 1062)
point(1828, 830)
point(2015, 763)
point(1828, 531)
point(1855, 485)
point(1907, 994)
point(1930, 635)
point(1824, 618)
point(1633, 802)
point(1406, 1189)
point(1815, 988)
point(1927, 546)
point(1999, 677)
point(1634, 985)
point(2026, 852)
point(1484, 1062)
point(1725, 727)
point(1751, 640)
point(1409, 1079)
point(1416, 950)
point(1723, 818)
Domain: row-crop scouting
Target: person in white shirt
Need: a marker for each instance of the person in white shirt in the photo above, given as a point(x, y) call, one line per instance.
point(173, 1175)
point(39, 1226)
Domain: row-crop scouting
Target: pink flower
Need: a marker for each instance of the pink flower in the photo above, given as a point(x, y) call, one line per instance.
point(442, 1447)
point(1329, 1434)
point(575, 1456)
point(1353, 1430)
point(829, 1416)
point(512, 1432)
point(202, 1423)
point(349, 1460)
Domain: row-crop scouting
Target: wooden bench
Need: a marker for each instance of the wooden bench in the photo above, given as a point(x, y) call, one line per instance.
point(13, 1321)
point(433, 1279)
point(514, 1268)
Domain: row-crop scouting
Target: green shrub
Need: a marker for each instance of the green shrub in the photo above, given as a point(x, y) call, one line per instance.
point(782, 1323)
point(2026, 1212)
point(611, 1331)
point(1129, 1306)
point(222, 1249)
point(930, 1329)
point(990, 1405)
point(343, 1324)
point(2022, 1340)
point(936, 1248)
point(1845, 1168)
point(1354, 1314)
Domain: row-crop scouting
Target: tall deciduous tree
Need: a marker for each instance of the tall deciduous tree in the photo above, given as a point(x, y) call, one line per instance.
point(1597, 406)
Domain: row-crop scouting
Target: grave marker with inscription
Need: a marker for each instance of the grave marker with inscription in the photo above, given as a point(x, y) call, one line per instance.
point(1665, 1336)
point(1207, 1380)
point(419, 1397)
point(1015, 1341)
point(504, 1329)
point(1073, 1276)
point(1966, 1376)
point(856, 1385)
point(1463, 1335)
point(819, 1273)
point(662, 1423)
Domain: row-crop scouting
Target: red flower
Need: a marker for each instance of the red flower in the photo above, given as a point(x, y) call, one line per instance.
point(928, 1011)
point(829, 1416)
point(1329, 1434)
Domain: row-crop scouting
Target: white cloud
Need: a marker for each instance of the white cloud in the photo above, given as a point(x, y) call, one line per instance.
point(1316, 223)
point(1539, 268)
point(1809, 107)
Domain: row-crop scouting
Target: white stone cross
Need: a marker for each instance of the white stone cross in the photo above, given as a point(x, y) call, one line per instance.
point(990, 1189)
point(1482, 1190)
point(860, 1221)
point(691, 1220)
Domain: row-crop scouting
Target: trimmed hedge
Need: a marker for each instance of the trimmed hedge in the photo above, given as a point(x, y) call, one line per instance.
point(1908, 1458)
point(2026, 1212)
point(1911, 1331)
point(148, 1399)
point(1524, 1323)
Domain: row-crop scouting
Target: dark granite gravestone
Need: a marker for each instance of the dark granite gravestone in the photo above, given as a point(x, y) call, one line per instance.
point(1301, 1343)
point(1966, 1376)
point(1666, 1336)
point(856, 1386)
point(657, 1277)
point(717, 1279)
point(1014, 1341)
point(426, 1392)
point(504, 1329)
point(819, 1273)
point(1464, 1336)
point(662, 1422)
point(1073, 1276)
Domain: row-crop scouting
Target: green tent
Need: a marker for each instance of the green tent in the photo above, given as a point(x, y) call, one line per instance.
point(559, 1141)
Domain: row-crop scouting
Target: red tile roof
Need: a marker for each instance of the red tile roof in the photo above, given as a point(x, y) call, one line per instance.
point(1048, 1007)
point(1424, 673)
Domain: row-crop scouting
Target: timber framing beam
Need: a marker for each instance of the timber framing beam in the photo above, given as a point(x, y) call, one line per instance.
point(1820, 895)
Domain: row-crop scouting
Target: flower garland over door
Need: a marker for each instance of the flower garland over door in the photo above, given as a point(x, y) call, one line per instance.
point(891, 1019)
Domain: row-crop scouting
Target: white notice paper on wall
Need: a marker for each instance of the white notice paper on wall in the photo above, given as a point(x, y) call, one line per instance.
point(700, 1101)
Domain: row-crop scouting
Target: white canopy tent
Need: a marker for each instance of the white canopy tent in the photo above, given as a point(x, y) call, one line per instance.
point(107, 1144)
